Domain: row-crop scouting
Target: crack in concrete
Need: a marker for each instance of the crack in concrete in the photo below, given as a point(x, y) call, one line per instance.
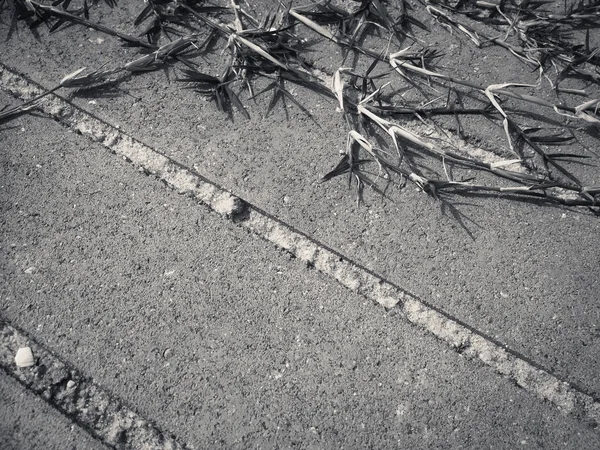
point(464, 339)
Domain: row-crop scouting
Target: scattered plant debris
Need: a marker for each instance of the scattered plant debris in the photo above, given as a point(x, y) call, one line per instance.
point(554, 43)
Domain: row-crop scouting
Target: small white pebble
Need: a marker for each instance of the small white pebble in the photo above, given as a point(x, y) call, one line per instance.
point(24, 357)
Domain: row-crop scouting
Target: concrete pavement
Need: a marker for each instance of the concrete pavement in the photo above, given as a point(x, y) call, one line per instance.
point(282, 315)
point(524, 275)
point(219, 338)
point(27, 422)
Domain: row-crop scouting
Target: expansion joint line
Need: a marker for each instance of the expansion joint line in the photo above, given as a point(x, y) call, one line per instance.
point(100, 413)
point(464, 339)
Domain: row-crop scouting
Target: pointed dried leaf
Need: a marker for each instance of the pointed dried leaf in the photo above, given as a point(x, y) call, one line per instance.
point(337, 86)
point(143, 15)
point(193, 75)
point(290, 97)
point(235, 101)
point(65, 81)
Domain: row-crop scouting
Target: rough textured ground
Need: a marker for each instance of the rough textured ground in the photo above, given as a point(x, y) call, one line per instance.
point(523, 274)
point(227, 342)
point(27, 422)
point(218, 338)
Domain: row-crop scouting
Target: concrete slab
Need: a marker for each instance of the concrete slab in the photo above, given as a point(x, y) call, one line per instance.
point(28, 422)
point(523, 275)
point(219, 338)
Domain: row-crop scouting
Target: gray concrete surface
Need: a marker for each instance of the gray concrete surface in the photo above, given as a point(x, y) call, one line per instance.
point(526, 277)
point(28, 422)
point(218, 337)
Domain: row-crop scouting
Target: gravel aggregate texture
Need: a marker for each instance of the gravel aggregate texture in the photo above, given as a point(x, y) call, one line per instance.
point(215, 336)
